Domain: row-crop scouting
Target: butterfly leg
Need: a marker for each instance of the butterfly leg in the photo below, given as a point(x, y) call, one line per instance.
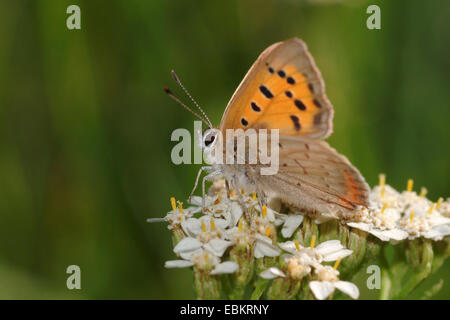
point(205, 168)
point(261, 198)
point(209, 177)
point(240, 197)
point(227, 186)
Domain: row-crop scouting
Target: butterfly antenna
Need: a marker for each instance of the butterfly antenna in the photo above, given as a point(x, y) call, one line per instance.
point(170, 94)
point(175, 77)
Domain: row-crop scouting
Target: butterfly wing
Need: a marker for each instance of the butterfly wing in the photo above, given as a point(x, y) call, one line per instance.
point(283, 90)
point(313, 176)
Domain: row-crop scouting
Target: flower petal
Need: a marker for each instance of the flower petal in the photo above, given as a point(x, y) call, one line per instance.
point(225, 267)
point(217, 246)
point(272, 273)
point(328, 247)
point(178, 264)
point(187, 255)
point(437, 233)
point(395, 234)
point(321, 289)
point(291, 224)
point(236, 213)
point(193, 210)
point(270, 213)
point(196, 201)
point(333, 256)
point(192, 227)
point(439, 220)
point(187, 244)
point(221, 223)
point(379, 234)
point(288, 246)
point(360, 225)
point(348, 288)
point(264, 249)
point(263, 238)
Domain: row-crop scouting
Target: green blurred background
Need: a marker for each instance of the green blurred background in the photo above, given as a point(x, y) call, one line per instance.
point(85, 125)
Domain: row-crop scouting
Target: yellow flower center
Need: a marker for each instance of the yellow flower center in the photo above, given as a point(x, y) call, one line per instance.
point(336, 265)
point(431, 208)
point(173, 203)
point(410, 185)
point(264, 211)
point(203, 226)
point(313, 241)
point(423, 192)
point(438, 204)
point(297, 245)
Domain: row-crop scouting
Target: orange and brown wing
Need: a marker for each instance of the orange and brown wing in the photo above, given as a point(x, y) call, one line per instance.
point(282, 90)
point(314, 176)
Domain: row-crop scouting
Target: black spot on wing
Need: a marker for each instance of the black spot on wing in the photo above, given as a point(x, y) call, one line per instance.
point(255, 107)
point(296, 122)
point(299, 105)
point(266, 92)
point(317, 103)
point(290, 80)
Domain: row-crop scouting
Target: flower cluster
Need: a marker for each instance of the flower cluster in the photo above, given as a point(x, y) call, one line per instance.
point(407, 215)
point(301, 262)
point(231, 232)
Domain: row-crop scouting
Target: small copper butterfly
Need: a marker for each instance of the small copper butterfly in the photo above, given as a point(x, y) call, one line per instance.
point(284, 90)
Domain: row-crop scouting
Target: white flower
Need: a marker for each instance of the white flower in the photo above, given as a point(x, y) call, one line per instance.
point(444, 207)
point(240, 235)
point(220, 207)
point(206, 233)
point(266, 213)
point(225, 268)
point(264, 247)
point(437, 233)
point(382, 223)
point(204, 226)
point(264, 233)
point(204, 260)
point(397, 216)
point(330, 250)
point(411, 198)
point(290, 223)
point(431, 224)
point(384, 195)
point(189, 246)
point(384, 235)
point(327, 281)
point(298, 265)
point(272, 273)
point(177, 215)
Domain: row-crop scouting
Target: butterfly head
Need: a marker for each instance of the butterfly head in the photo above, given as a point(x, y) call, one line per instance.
point(209, 140)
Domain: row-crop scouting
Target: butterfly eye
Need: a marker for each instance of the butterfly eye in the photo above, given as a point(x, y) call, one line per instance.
point(209, 140)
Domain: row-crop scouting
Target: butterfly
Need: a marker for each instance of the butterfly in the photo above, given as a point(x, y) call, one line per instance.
point(284, 90)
